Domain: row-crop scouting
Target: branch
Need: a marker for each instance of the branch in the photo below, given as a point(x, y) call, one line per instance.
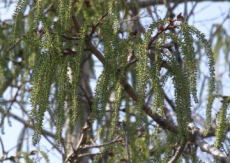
point(164, 123)
point(178, 153)
point(44, 132)
point(204, 146)
point(94, 50)
point(148, 3)
point(101, 145)
point(97, 24)
point(88, 155)
point(74, 155)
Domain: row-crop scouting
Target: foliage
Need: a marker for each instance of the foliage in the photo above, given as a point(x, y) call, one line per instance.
point(50, 45)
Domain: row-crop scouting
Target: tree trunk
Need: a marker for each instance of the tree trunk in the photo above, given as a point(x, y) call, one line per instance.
point(77, 137)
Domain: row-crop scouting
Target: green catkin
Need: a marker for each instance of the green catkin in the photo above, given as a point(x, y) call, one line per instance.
point(19, 7)
point(61, 95)
point(142, 72)
point(221, 125)
point(142, 64)
point(102, 94)
point(190, 60)
point(99, 90)
point(38, 16)
point(157, 82)
point(18, 13)
point(43, 78)
point(108, 77)
point(113, 12)
point(75, 69)
point(182, 93)
point(64, 12)
point(68, 14)
point(75, 64)
point(116, 106)
point(211, 63)
point(182, 90)
point(40, 94)
point(157, 86)
point(2, 76)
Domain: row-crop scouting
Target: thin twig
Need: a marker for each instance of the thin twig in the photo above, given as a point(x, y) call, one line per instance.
point(178, 153)
point(147, 3)
point(97, 24)
point(17, 118)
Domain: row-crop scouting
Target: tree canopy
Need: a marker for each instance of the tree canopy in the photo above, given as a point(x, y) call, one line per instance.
point(157, 95)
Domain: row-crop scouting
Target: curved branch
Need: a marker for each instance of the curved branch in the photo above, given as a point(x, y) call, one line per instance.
point(148, 3)
point(204, 146)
